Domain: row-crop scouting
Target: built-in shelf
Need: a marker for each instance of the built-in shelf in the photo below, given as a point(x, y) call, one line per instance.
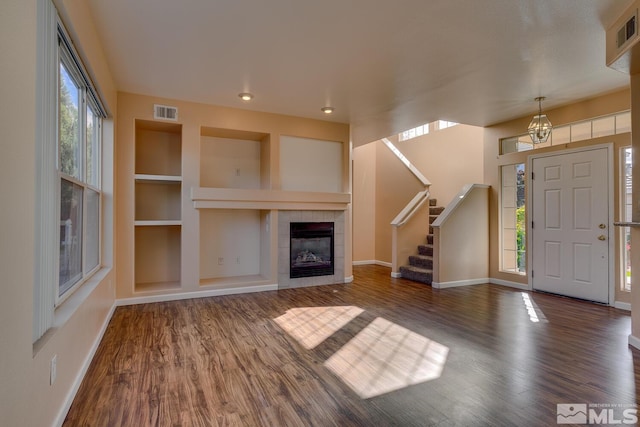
point(225, 198)
point(140, 177)
point(157, 286)
point(158, 206)
point(232, 158)
point(151, 223)
point(158, 200)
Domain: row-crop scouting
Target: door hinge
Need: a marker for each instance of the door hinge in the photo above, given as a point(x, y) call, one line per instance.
point(532, 225)
point(533, 176)
point(532, 274)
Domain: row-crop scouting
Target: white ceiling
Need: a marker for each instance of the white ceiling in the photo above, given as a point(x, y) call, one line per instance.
point(384, 65)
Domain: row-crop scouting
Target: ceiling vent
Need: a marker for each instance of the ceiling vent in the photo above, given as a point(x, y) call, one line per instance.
point(165, 112)
point(623, 49)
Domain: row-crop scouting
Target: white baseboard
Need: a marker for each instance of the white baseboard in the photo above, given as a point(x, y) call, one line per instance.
point(365, 262)
point(372, 262)
point(622, 305)
point(634, 342)
point(522, 286)
point(83, 370)
point(348, 279)
point(457, 283)
point(396, 275)
point(197, 294)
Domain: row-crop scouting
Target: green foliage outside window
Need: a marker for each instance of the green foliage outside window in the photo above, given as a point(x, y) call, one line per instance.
point(521, 243)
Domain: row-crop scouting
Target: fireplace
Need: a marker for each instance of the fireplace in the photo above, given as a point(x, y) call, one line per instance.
point(311, 249)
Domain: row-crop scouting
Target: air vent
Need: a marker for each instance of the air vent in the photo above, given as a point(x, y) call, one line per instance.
point(626, 32)
point(623, 47)
point(165, 112)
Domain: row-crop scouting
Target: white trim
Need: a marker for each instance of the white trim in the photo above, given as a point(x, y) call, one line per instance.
point(622, 305)
point(62, 414)
point(457, 283)
point(372, 262)
point(522, 286)
point(634, 341)
point(198, 294)
point(348, 279)
point(396, 275)
point(412, 207)
point(425, 182)
point(457, 200)
point(364, 262)
point(47, 230)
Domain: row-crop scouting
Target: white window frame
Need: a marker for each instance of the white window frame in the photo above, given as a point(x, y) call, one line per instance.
point(625, 209)
point(69, 58)
point(48, 179)
point(503, 220)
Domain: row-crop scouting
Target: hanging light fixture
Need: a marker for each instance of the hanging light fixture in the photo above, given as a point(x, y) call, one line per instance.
point(540, 126)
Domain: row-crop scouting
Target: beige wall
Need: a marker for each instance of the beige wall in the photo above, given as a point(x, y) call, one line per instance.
point(364, 203)
point(449, 159)
point(26, 398)
point(604, 105)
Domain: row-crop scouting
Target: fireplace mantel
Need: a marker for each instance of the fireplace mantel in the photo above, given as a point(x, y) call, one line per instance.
point(237, 198)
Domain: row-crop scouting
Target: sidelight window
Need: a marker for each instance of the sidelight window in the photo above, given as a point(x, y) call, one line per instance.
point(513, 226)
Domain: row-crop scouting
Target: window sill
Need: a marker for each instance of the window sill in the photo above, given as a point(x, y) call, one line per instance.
point(67, 309)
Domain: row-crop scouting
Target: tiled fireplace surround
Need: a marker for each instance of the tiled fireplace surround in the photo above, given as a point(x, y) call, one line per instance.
point(285, 218)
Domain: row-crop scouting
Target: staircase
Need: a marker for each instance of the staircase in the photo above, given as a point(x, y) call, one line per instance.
point(420, 268)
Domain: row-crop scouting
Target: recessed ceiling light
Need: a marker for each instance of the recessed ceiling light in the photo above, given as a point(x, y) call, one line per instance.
point(246, 96)
point(327, 110)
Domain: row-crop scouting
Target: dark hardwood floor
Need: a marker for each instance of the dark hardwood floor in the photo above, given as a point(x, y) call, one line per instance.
point(481, 355)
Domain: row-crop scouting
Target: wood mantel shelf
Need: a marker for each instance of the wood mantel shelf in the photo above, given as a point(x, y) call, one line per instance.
point(237, 198)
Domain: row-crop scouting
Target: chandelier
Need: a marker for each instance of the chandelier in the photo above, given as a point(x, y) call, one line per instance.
point(540, 127)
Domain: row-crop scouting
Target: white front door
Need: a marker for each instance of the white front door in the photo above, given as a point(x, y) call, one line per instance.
point(570, 224)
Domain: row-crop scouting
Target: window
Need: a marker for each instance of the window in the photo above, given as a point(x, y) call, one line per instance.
point(626, 216)
point(68, 132)
point(513, 212)
point(601, 126)
point(78, 169)
point(425, 129)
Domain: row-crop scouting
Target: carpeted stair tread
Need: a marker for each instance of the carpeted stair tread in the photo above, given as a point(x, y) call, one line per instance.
point(425, 250)
point(423, 261)
point(417, 274)
point(420, 268)
point(436, 210)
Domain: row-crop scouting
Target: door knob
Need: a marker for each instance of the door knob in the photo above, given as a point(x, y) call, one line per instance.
point(602, 237)
point(602, 226)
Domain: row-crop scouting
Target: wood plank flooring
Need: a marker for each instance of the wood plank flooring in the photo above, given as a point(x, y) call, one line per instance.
point(492, 356)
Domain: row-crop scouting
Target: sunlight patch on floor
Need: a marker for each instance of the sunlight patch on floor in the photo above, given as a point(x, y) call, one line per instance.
point(385, 357)
point(310, 326)
point(535, 314)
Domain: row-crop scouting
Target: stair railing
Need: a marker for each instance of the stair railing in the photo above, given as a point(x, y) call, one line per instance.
point(408, 227)
point(408, 230)
point(461, 238)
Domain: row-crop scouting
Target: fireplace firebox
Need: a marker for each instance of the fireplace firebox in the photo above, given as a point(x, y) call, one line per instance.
point(311, 249)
